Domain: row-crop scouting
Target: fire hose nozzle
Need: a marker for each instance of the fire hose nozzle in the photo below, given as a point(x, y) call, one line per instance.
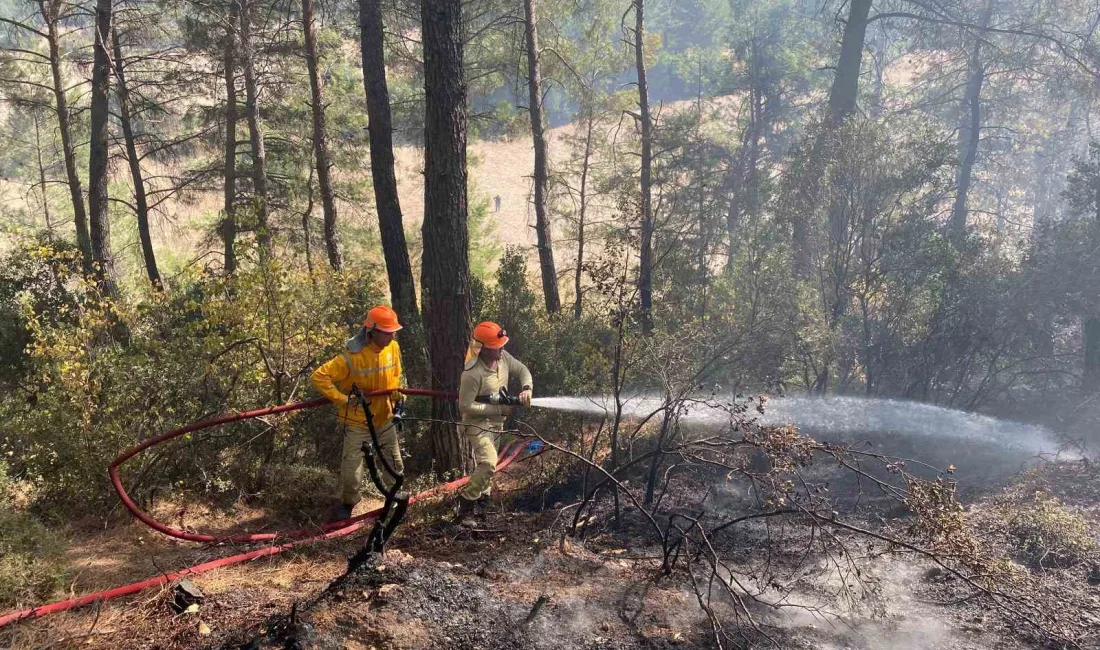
point(498, 399)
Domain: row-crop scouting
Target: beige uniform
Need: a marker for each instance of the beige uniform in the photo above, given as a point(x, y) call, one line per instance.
point(483, 422)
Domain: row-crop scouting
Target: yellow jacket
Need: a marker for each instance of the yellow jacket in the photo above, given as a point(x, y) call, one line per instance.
point(368, 368)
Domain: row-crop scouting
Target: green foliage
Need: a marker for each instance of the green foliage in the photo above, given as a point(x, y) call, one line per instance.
point(1047, 533)
point(565, 356)
point(34, 281)
point(297, 492)
point(1068, 248)
point(207, 346)
point(886, 305)
point(482, 233)
point(864, 192)
point(32, 567)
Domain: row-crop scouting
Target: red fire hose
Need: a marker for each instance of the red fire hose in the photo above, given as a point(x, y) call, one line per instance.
point(297, 537)
point(245, 538)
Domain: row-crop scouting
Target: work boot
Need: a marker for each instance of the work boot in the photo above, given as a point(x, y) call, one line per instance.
point(340, 511)
point(484, 503)
point(467, 512)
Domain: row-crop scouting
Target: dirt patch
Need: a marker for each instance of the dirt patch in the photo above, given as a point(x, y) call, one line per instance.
point(237, 596)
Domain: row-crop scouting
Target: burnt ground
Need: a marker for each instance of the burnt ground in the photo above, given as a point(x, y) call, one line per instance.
point(448, 587)
point(442, 586)
point(477, 589)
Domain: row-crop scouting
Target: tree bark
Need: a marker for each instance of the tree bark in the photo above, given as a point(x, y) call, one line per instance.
point(229, 218)
point(76, 194)
point(320, 139)
point(1050, 181)
point(390, 221)
point(446, 268)
point(255, 132)
point(1091, 344)
point(645, 272)
point(1092, 353)
point(141, 203)
point(542, 174)
point(98, 215)
point(845, 89)
point(745, 184)
point(969, 132)
point(42, 173)
point(579, 291)
point(307, 231)
point(842, 103)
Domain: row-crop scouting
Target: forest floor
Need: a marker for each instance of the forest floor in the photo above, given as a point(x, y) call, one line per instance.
point(444, 586)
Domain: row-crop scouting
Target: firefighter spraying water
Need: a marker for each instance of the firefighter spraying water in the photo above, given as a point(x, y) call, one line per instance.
point(484, 402)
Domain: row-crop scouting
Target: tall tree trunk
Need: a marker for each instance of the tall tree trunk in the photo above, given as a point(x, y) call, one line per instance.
point(446, 267)
point(590, 125)
point(141, 203)
point(320, 139)
point(542, 174)
point(878, 87)
point(969, 132)
point(255, 131)
point(843, 97)
point(1092, 353)
point(42, 173)
point(1053, 166)
point(76, 194)
point(229, 216)
point(1091, 346)
point(98, 214)
point(745, 188)
point(842, 103)
point(845, 89)
point(645, 272)
point(390, 222)
point(307, 231)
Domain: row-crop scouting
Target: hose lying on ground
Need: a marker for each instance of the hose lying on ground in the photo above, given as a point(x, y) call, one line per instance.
point(295, 538)
point(148, 520)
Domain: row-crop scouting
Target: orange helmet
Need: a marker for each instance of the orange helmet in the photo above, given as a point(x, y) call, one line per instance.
point(490, 335)
point(383, 319)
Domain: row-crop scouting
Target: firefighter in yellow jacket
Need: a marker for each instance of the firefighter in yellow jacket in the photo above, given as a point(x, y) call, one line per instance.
point(371, 361)
point(488, 369)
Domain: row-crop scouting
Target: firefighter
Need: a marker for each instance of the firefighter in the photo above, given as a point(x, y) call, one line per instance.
point(371, 361)
point(488, 368)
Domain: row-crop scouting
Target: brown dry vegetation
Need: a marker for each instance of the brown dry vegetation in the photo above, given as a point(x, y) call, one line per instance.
point(442, 586)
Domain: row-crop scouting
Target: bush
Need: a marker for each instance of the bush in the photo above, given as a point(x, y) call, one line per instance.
point(298, 491)
point(203, 347)
point(566, 356)
point(32, 566)
point(1046, 533)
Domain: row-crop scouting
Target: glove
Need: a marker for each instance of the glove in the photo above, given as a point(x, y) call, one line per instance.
point(399, 410)
point(525, 397)
point(534, 446)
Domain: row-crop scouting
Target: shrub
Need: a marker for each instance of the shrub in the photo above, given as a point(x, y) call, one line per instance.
point(203, 347)
point(298, 491)
point(32, 566)
point(1046, 533)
